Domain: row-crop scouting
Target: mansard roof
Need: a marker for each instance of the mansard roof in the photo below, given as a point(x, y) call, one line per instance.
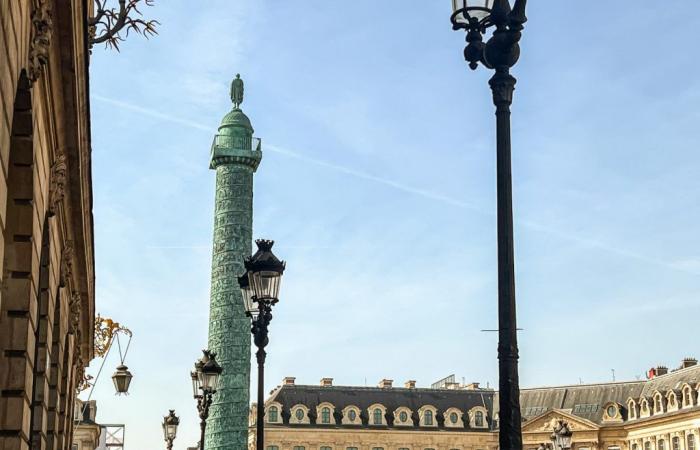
point(586, 401)
point(391, 398)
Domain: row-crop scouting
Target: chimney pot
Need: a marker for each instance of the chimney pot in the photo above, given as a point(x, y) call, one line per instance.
point(689, 362)
point(288, 381)
point(410, 384)
point(386, 383)
point(326, 382)
point(661, 370)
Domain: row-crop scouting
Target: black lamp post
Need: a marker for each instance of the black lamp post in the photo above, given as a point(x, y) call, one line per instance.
point(561, 437)
point(261, 284)
point(205, 382)
point(170, 423)
point(500, 53)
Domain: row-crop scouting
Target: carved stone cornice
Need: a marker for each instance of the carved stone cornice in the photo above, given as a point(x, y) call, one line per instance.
point(66, 264)
point(57, 183)
point(40, 40)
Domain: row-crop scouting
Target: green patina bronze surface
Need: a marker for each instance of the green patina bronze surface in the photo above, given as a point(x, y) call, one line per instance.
point(235, 155)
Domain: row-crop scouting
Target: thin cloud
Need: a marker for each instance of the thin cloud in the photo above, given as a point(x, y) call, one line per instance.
point(592, 243)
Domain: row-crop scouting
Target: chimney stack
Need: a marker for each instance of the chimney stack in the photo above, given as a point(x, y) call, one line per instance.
point(326, 382)
point(386, 384)
point(410, 384)
point(288, 381)
point(472, 386)
point(661, 370)
point(689, 362)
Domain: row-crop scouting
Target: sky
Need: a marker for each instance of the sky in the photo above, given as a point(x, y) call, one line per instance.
point(378, 185)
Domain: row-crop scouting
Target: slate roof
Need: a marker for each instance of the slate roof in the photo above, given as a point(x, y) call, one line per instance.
point(391, 398)
point(587, 401)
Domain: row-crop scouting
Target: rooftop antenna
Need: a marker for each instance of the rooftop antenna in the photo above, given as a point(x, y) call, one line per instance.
point(580, 381)
point(613, 374)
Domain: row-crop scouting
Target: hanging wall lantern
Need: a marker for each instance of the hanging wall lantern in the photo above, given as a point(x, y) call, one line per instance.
point(122, 378)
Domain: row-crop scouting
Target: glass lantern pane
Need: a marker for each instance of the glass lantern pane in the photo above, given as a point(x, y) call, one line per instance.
point(266, 284)
point(172, 431)
point(477, 8)
point(248, 303)
point(195, 384)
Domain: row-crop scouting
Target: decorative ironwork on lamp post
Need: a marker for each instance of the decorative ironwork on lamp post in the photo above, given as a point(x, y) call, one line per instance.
point(170, 423)
point(205, 382)
point(500, 53)
point(260, 287)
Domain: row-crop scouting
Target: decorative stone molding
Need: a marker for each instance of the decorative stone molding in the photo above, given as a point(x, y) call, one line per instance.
point(40, 38)
point(57, 183)
point(66, 264)
point(75, 308)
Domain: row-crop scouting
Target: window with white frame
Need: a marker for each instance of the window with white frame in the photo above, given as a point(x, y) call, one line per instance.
point(691, 442)
point(272, 414)
point(428, 418)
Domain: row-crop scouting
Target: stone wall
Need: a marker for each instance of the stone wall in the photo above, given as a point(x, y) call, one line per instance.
point(47, 277)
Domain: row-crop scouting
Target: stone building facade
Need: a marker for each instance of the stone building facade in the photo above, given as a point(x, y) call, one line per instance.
point(662, 413)
point(47, 277)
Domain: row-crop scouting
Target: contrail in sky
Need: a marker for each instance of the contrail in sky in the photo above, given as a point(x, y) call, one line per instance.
point(403, 187)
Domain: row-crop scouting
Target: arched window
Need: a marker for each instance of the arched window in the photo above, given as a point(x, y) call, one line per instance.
point(676, 443)
point(691, 442)
point(635, 447)
point(326, 415)
point(687, 397)
point(661, 445)
point(272, 414)
point(428, 417)
point(479, 419)
point(377, 416)
point(647, 445)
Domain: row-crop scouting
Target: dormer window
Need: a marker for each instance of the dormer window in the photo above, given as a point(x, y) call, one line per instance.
point(687, 396)
point(453, 418)
point(402, 417)
point(477, 417)
point(272, 414)
point(644, 409)
point(299, 414)
point(658, 403)
point(351, 415)
point(324, 413)
point(632, 409)
point(427, 415)
point(377, 416)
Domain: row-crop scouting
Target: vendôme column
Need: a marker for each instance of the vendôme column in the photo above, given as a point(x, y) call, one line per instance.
point(235, 155)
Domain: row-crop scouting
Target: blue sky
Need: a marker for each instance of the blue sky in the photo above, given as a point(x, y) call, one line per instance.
point(378, 185)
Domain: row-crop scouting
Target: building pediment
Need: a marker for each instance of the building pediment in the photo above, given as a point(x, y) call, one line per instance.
point(546, 422)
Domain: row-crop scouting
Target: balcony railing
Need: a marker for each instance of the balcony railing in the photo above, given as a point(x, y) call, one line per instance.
point(237, 142)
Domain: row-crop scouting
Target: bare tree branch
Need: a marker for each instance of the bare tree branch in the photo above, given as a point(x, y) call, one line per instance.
point(108, 23)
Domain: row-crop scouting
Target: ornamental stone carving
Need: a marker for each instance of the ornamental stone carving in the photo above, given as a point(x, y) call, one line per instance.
point(40, 38)
point(75, 308)
point(66, 264)
point(57, 183)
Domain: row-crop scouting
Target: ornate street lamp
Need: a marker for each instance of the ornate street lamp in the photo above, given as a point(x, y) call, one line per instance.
point(205, 382)
point(170, 423)
point(500, 53)
point(122, 379)
point(260, 287)
point(561, 437)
